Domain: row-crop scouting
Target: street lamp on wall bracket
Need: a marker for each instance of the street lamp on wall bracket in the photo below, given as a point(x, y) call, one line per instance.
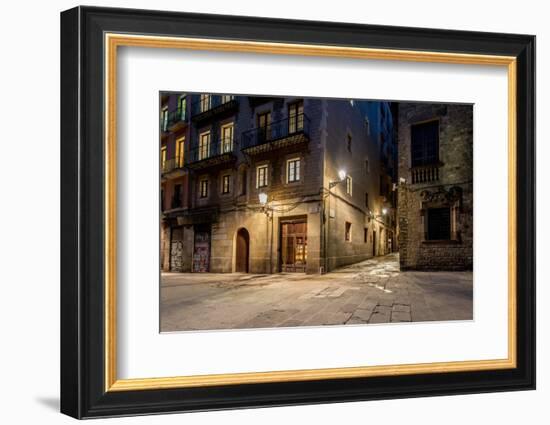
point(383, 214)
point(265, 208)
point(341, 175)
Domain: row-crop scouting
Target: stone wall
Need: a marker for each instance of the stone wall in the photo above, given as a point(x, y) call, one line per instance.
point(453, 189)
point(264, 234)
point(361, 161)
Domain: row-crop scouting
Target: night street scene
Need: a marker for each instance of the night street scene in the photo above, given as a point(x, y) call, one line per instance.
point(292, 211)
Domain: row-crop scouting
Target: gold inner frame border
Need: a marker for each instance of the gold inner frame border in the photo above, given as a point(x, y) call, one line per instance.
point(111, 43)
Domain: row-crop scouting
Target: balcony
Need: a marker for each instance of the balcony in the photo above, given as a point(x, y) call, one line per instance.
point(172, 165)
point(210, 155)
point(213, 106)
point(176, 119)
point(425, 173)
point(290, 132)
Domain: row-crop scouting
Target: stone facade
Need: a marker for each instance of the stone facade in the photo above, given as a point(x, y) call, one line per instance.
point(221, 194)
point(435, 193)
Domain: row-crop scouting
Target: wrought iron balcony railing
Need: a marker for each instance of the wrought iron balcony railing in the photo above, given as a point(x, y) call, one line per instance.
point(213, 153)
point(177, 116)
point(211, 105)
point(172, 164)
point(291, 130)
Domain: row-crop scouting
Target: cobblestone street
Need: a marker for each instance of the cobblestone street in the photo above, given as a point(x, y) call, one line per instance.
point(373, 291)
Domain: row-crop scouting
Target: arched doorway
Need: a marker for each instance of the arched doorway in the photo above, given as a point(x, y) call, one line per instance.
point(242, 251)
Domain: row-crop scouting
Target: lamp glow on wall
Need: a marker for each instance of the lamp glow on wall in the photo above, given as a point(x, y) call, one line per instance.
point(342, 175)
point(263, 198)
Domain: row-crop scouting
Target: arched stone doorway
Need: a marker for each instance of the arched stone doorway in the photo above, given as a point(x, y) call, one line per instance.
point(242, 251)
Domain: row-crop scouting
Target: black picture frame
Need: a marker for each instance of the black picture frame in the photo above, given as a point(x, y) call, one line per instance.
point(83, 392)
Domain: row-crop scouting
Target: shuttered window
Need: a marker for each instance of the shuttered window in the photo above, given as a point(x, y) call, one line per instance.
point(439, 224)
point(425, 144)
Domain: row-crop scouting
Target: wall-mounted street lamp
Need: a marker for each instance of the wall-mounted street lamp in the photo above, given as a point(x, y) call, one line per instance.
point(263, 199)
point(262, 196)
point(341, 175)
point(383, 214)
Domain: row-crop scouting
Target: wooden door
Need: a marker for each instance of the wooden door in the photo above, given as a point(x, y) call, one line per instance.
point(294, 246)
point(242, 251)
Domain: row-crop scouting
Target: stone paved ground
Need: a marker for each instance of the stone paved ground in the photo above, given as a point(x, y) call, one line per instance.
point(373, 291)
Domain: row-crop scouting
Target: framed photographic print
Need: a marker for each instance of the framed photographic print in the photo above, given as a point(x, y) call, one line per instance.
point(261, 212)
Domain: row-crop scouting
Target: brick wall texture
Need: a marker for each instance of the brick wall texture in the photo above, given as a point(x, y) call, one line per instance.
point(453, 189)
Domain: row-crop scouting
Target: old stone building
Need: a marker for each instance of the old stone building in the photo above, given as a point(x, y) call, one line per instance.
point(435, 194)
point(268, 184)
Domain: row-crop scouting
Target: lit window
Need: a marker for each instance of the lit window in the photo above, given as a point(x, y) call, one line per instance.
point(227, 98)
point(293, 170)
point(349, 185)
point(182, 107)
point(180, 143)
point(163, 158)
point(261, 176)
point(348, 231)
point(164, 119)
point(264, 127)
point(204, 145)
point(295, 117)
point(205, 102)
point(227, 138)
point(225, 183)
point(204, 188)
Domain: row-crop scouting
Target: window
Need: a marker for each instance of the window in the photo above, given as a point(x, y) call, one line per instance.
point(204, 188)
point(293, 170)
point(162, 199)
point(205, 102)
point(164, 119)
point(367, 125)
point(182, 107)
point(348, 231)
point(227, 138)
point(227, 98)
point(264, 126)
point(439, 224)
point(180, 143)
point(261, 176)
point(204, 145)
point(367, 201)
point(382, 187)
point(367, 166)
point(295, 117)
point(349, 142)
point(366, 235)
point(425, 144)
point(225, 183)
point(176, 200)
point(349, 185)
point(163, 158)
